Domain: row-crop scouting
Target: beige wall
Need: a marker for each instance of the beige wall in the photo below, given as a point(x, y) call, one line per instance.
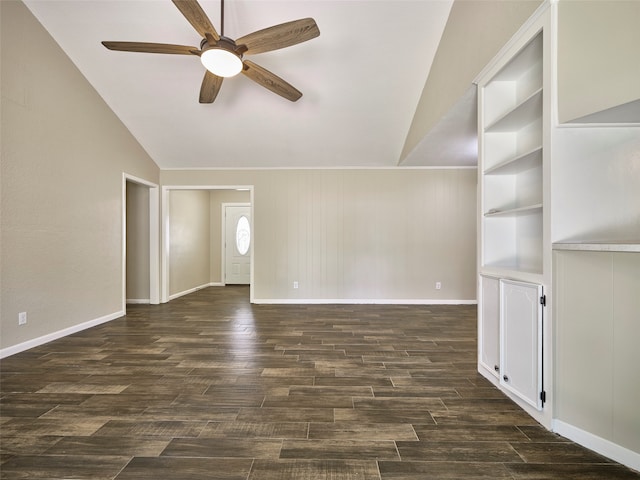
point(189, 240)
point(475, 32)
point(63, 157)
point(598, 58)
point(137, 243)
point(217, 198)
point(371, 235)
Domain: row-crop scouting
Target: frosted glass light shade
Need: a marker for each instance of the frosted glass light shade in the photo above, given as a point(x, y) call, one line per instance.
point(221, 62)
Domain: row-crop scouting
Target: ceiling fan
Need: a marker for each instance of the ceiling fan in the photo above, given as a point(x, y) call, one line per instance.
point(223, 56)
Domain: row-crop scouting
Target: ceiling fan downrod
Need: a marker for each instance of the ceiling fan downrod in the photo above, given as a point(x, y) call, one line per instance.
point(222, 18)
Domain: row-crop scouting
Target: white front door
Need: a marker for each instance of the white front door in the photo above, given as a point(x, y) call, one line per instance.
point(238, 239)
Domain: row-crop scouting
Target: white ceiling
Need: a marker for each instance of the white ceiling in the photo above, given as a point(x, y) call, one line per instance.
point(361, 79)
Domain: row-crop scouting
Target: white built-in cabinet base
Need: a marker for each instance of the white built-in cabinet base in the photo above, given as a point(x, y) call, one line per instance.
point(597, 313)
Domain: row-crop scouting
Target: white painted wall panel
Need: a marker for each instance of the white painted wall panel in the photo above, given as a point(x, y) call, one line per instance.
point(597, 328)
point(626, 354)
point(358, 234)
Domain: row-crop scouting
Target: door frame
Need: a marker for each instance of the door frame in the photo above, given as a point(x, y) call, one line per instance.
point(223, 263)
point(154, 238)
point(166, 240)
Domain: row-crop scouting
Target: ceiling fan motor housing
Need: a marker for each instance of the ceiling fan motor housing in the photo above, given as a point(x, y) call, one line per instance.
point(224, 43)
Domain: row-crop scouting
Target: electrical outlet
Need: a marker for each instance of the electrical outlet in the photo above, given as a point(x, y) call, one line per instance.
point(295, 284)
point(438, 285)
point(22, 318)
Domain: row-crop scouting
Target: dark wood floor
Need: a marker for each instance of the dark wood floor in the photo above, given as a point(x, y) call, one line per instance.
point(210, 386)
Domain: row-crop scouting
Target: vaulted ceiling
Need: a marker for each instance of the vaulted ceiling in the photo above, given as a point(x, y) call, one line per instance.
point(361, 79)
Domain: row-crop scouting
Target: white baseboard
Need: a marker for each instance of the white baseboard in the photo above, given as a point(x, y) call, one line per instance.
point(194, 289)
point(598, 444)
point(36, 342)
point(543, 417)
point(358, 301)
point(137, 301)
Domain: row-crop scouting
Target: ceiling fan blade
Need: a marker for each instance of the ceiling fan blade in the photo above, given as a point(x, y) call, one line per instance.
point(194, 13)
point(210, 87)
point(280, 36)
point(145, 47)
point(270, 81)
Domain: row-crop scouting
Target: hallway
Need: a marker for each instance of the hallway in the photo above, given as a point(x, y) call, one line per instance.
point(210, 386)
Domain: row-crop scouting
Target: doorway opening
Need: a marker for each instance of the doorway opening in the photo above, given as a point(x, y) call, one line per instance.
point(140, 241)
point(194, 236)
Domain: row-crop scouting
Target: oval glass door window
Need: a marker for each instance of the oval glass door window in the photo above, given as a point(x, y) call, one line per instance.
point(243, 235)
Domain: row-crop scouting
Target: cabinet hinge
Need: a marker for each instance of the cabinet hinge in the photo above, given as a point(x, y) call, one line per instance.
point(543, 396)
point(543, 300)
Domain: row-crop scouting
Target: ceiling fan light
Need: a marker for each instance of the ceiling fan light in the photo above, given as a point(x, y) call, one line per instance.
point(221, 62)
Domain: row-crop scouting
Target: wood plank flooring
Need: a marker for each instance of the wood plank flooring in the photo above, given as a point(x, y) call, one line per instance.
point(210, 386)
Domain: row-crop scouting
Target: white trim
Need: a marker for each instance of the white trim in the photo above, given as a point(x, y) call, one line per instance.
point(190, 290)
point(568, 124)
point(292, 168)
point(138, 301)
point(553, 71)
point(154, 245)
point(251, 249)
point(515, 38)
point(123, 249)
point(36, 342)
point(598, 444)
point(247, 188)
point(164, 245)
point(359, 301)
point(141, 181)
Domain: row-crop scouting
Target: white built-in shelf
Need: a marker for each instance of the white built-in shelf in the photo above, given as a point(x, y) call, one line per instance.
point(508, 212)
point(513, 271)
point(513, 213)
point(601, 246)
point(511, 160)
point(519, 116)
point(526, 161)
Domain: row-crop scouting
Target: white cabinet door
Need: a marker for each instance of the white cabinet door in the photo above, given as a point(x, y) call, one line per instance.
point(521, 340)
point(489, 321)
